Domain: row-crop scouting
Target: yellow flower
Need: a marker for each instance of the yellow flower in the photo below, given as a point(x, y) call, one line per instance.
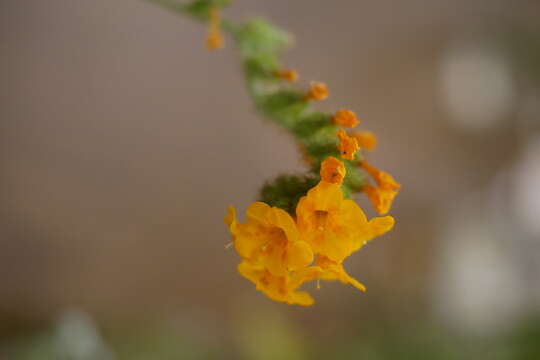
point(214, 40)
point(332, 170)
point(333, 270)
point(345, 118)
point(270, 238)
point(383, 179)
point(366, 139)
point(348, 146)
point(335, 227)
point(317, 91)
point(287, 74)
point(380, 198)
point(280, 288)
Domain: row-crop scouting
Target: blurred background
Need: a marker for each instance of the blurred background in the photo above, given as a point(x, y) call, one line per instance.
point(123, 140)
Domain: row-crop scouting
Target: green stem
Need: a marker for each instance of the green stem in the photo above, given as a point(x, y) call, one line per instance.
point(260, 45)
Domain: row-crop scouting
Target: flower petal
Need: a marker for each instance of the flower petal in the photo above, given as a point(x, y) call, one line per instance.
point(250, 271)
point(352, 213)
point(230, 219)
point(257, 211)
point(248, 240)
point(281, 219)
point(381, 225)
point(325, 196)
point(304, 275)
point(334, 271)
point(300, 298)
point(299, 255)
point(272, 257)
point(336, 245)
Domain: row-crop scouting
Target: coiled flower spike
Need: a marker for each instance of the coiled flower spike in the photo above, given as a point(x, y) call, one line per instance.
point(305, 226)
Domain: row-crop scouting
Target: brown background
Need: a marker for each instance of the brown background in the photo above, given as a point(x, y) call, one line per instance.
point(123, 141)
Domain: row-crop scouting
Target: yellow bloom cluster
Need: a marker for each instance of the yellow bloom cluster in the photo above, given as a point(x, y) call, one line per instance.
point(279, 253)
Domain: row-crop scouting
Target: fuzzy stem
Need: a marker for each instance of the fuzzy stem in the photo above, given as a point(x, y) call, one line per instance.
point(260, 45)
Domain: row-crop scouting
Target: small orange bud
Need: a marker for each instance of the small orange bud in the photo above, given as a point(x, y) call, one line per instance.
point(332, 170)
point(214, 40)
point(317, 91)
point(346, 118)
point(287, 74)
point(348, 146)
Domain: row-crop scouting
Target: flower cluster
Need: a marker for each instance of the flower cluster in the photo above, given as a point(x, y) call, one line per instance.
point(305, 226)
point(279, 253)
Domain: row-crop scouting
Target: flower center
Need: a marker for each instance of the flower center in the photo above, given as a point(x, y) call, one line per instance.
point(320, 219)
point(274, 237)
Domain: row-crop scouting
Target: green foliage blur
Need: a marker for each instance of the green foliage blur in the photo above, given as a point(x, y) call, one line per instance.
point(270, 337)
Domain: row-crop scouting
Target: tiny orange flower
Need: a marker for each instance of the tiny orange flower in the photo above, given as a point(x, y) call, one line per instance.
point(383, 179)
point(332, 170)
point(348, 146)
point(366, 139)
point(346, 118)
point(214, 40)
point(333, 270)
point(380, 198)
point(287, 74)
point(317, 91)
